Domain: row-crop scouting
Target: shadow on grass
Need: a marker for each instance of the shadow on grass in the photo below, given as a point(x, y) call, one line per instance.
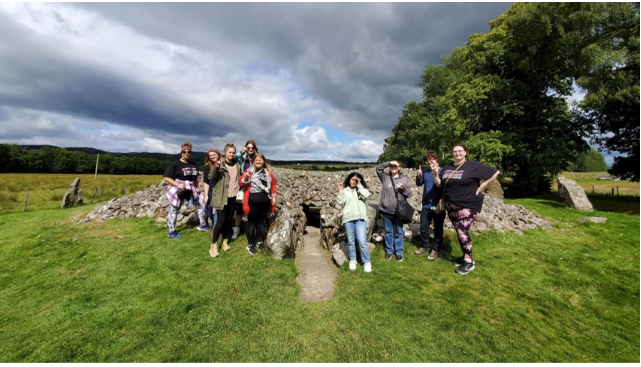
point(604, 203)
point(445, 250)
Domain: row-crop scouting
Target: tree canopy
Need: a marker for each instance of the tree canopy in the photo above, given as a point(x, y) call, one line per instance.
point(505, 93)
point(15, 159)
point(590, 161)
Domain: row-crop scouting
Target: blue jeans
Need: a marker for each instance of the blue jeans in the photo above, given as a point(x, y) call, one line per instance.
point(393, 235)
point(211, 215)
point(358, 229)
point(427, 215)
point(209, 210)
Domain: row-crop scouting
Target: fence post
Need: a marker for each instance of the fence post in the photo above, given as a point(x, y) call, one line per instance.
point(592, 190)
point(98, 193)
point(92, 196)
point(613, 191)
point(96, 174)
point(617, 190)
point(25, 201)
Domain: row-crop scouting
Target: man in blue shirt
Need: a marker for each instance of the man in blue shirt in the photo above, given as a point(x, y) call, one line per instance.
point(431, 195)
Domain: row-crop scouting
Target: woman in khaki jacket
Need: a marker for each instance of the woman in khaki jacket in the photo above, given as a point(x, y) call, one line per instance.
point(224, 179)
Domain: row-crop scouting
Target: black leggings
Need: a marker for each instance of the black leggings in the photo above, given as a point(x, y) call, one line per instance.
point(224, 220)
point(259, 205)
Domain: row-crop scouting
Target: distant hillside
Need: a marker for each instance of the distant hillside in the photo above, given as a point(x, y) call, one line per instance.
point(198, 157)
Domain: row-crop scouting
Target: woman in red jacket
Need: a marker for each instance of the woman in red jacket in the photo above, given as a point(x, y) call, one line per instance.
point(259, 200)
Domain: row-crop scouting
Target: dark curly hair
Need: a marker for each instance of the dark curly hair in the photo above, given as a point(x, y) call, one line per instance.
point(349, 177)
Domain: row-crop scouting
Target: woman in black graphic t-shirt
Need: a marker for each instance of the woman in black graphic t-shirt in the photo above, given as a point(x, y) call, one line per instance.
point(463, 197)
point(177, 174)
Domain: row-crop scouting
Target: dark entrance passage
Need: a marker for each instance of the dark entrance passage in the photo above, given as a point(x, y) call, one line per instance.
point(313, 215)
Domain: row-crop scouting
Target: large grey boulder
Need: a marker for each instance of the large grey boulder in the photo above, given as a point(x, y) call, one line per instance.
point(285, 234)
point(573, 195)
point(280, 234)
point(73, 196)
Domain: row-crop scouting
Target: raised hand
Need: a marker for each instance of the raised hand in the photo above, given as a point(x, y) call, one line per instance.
point(394, 163)
point(340, 186)
point(419, 171)
point(243, 150)
point(434, 166)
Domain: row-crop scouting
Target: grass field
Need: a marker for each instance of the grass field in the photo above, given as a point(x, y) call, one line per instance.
point(589, 183)
point(46, 190)
point(121, 291)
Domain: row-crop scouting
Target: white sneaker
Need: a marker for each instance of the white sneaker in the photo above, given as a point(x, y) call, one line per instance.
point(236, 232)
point(352, 265)
point(367, 267)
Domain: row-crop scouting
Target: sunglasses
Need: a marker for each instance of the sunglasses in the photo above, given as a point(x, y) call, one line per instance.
point(249, 147)
point(187, 151)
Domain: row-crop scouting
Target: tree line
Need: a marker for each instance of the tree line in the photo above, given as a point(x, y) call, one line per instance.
point(16, 159)
point(505, 94)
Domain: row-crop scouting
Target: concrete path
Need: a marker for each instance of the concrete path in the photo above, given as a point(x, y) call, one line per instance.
point(317, 272)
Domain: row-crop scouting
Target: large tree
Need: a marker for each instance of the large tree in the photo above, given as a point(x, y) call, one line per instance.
point(512, 84)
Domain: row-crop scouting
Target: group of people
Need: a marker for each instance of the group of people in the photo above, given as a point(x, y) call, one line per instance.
point(455, 189)
point(229, 178)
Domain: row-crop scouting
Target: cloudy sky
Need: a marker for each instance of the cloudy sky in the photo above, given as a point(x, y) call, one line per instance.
point(306, 81)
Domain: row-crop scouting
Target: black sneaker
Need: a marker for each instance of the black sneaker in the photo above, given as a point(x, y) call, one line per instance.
point(465, 268)
point(388, 256)
point(399, 257)
point(459, 261)
point(261, 246)
point(252, 249)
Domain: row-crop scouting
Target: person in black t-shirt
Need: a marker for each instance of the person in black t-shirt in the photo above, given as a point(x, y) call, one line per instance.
point(178, 175)
point(463, 197)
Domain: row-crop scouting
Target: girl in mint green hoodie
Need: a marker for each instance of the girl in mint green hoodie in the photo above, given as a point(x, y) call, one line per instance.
point(352, 196)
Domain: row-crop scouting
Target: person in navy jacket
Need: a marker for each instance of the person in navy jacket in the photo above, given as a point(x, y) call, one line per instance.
point(431, 195)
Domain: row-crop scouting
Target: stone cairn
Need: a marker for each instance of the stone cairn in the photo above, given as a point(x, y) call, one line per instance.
point(73, 196)
point(318, 191)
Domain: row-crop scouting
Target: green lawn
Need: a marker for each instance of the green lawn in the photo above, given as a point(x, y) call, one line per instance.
point(122, 291)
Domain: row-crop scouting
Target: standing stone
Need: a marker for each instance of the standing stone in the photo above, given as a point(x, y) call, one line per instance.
point(73, 196)
point(494, 189)
point(372, 215)
point(279, 240)
point(573, 195)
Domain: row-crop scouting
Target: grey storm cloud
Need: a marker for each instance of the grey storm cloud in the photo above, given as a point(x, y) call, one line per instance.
point(39, 76)
point(357, 64)
point(359, 57)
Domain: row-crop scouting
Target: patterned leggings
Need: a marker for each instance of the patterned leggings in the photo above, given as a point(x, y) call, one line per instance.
point(462, 220)
point(173, 213)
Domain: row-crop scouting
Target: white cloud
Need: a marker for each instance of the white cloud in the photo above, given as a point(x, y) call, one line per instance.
point(309, 139)
point(360, 150)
